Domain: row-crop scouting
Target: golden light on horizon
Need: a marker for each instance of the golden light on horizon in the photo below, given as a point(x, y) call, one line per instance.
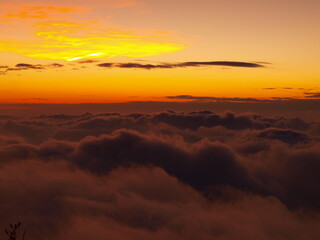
point(78, 35)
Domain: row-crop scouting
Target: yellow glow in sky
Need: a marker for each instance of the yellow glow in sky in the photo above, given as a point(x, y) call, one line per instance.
point(283, 36)
point(72, 41)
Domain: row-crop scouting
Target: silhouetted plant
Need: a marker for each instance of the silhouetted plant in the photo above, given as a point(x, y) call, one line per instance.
point(12, 232)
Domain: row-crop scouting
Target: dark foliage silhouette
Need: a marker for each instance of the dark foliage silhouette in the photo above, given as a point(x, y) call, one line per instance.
point(12, 232)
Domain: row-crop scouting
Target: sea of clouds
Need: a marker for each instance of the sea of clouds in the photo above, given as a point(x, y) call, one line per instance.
point(169, 175)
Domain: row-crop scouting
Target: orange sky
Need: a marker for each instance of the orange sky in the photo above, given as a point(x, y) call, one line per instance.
point(282, 37)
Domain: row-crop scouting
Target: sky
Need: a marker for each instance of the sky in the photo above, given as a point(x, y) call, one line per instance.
point(77, 51)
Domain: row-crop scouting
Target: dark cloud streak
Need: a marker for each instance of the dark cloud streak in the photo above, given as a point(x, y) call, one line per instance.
point(204, 98)
point(27, 66)
point(182, 65)
point(314, 95)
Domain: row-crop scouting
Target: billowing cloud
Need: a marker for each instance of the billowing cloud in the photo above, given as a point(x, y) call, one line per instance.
point(285, 135)
point(164, 175)
point(125, 205)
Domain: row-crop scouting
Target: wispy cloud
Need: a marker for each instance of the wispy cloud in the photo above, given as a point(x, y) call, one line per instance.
point(287, 89)
point(34, 99)
point(27, 66)
point(10, 13)
point(87, 61)
point(312, 95)
point(182, 65)
point(223, 63)
point(60, 31)
point(76, 41)
point(222, 99)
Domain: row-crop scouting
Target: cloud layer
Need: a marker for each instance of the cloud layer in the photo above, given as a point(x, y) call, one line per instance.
point(133, 65)
point(197, 175)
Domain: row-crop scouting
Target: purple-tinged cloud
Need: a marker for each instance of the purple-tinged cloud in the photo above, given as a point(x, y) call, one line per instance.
point(172, 175)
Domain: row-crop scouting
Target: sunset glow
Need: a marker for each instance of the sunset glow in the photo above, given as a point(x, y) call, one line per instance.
point(152, 46)
point(160, 119)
